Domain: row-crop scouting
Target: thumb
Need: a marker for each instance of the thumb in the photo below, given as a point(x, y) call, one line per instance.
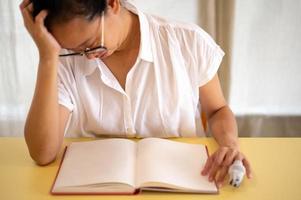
point(41, 17)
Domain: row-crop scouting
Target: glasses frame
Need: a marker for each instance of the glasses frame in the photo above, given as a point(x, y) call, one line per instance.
point(88, 51)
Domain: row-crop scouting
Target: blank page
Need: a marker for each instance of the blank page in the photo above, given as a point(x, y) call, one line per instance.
point(173, 164)
point(101, 161)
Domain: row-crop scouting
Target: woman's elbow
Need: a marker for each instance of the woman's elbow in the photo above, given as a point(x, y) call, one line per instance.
point(42, 151)
point(43, 158)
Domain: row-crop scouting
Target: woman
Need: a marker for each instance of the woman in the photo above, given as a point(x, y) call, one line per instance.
point(116, 71)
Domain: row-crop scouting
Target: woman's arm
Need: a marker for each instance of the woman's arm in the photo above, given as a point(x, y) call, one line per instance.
point(223, 127)
point(46, 120)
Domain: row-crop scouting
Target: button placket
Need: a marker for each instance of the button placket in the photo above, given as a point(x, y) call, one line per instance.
point(128, 122)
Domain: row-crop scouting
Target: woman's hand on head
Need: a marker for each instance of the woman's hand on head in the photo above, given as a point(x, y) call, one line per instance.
point(218, 164)
point(46, 43)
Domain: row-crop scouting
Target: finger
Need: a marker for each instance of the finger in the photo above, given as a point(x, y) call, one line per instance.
point(27, 12)
point(41, 17)
point(30, 7)
point(24, 4)
point(222, 174)
point(208, 165)
point(229, 157)
point(27, 17)
point(219, 158)
point(247, 165)
point(239, 156)
point(213, 171)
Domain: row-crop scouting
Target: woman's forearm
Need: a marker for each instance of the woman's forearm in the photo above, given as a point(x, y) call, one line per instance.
point(42, 124)
point(223, 127)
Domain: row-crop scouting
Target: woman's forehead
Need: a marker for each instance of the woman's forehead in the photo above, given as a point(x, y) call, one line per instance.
point(75, 32)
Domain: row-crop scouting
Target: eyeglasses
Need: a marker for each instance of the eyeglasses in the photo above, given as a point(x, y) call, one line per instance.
point(88, 51)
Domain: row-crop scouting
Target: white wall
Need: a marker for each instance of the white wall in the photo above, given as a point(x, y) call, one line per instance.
point(18, 65)
point(186, 11)
point(266, 72)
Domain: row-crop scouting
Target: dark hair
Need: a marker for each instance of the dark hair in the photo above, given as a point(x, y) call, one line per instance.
point(64, 10)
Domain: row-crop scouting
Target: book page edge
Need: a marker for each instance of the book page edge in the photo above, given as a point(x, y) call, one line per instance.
point(57, 173)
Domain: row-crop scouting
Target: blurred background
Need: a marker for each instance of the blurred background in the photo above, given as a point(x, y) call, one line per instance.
point(260, 73)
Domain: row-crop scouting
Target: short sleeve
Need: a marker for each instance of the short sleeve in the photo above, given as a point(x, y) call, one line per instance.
point(207, 56)
point(64, 83)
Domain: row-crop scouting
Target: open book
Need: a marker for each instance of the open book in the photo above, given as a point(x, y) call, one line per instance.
point(123, 166)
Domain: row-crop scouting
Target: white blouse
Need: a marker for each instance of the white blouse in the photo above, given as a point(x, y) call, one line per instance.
point(161, 96)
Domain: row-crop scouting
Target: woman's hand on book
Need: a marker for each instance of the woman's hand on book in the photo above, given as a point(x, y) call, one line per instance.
point(46, 43)
point(218, 164)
